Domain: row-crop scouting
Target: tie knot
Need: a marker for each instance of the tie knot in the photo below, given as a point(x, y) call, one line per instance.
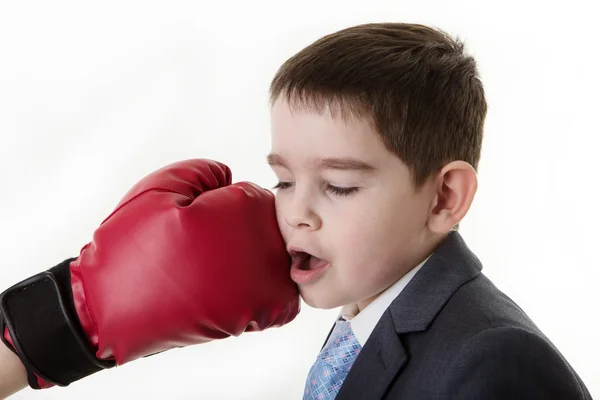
point(333, 364)
point(342, 347)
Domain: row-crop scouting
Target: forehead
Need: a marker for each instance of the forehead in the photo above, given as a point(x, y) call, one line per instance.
point(325, 132)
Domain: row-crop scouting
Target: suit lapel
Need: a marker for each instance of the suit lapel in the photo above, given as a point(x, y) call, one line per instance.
point(451, 265)
point(379, 361)
point(383, 356)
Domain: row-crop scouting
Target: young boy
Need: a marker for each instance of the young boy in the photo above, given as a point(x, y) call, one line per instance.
point(376, 137)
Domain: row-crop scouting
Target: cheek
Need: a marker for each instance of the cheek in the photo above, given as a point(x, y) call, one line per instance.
point(279, 212)
point(359, 235)
point(374, 236)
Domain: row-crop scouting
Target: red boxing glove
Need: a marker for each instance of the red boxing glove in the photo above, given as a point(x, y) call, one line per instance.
point(185, 258)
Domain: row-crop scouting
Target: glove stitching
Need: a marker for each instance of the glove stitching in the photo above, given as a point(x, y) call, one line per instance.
point(85, 304)
point(164, 187)
point(13, 293)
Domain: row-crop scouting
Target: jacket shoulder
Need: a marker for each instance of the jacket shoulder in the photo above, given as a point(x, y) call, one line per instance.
point(511, 362)
point(494, 349)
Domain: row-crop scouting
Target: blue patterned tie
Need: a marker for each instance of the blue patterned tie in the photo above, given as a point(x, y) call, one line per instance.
point(333, 363)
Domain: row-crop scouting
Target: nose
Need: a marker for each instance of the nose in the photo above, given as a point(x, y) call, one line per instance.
point(301, 214)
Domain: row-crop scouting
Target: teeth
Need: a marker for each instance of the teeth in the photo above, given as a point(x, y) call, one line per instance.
point(299, 254)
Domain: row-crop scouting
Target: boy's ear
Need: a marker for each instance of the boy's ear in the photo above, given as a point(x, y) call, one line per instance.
point(455, 187)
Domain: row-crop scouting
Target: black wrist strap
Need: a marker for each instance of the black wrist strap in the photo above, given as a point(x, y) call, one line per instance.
point(40, 315)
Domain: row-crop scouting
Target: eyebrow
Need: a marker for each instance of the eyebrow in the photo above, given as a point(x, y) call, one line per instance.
point(335, 163)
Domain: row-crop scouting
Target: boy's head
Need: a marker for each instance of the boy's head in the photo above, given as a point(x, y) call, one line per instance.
point(376, 136)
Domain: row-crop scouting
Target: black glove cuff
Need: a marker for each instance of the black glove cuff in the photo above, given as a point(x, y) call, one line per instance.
point(40, 315)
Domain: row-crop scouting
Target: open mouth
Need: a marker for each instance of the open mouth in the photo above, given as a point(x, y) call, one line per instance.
point(306, 262)
point(306, 268)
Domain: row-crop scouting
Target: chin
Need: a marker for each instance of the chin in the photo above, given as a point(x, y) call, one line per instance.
point(315, 299)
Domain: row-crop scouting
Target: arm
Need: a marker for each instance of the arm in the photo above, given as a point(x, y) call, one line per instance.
point(510, 363)
point(12, 373)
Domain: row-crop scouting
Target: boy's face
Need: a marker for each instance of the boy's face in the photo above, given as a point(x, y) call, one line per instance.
point(362, 239)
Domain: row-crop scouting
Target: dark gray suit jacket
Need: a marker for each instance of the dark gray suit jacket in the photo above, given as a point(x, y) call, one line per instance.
point(451, 334)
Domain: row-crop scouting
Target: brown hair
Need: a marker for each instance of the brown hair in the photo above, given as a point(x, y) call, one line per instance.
point(415, 83)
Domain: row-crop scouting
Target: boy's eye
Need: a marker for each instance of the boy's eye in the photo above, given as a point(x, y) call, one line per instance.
point(342, 192)
point(282, 185)
point(335, 190)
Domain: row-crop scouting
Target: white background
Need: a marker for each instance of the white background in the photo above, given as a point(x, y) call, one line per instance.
point(93, 97)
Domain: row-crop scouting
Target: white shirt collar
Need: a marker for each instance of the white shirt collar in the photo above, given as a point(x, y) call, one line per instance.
point(363, 323)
